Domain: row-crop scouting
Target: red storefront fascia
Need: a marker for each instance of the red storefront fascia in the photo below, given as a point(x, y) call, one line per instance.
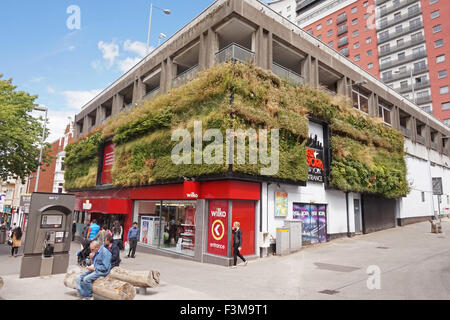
point(120, 201)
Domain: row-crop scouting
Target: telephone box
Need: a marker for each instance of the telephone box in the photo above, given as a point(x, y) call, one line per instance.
point(48, 237)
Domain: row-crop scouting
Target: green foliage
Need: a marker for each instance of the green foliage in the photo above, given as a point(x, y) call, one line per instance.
point(20, 133)
point(367, 156)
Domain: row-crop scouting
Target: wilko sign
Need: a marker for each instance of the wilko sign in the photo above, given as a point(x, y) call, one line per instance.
point(218, 227)
point(191, 189)
point(108, 162)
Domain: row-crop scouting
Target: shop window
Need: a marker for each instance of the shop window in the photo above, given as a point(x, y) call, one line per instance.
point(168, 225)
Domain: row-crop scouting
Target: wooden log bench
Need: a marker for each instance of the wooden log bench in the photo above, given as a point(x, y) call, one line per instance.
point(118, 284)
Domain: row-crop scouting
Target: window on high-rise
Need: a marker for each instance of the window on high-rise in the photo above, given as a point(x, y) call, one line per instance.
point(416, 36)
point(443, 90)
point(397, 16)
point(401, 56)
point(437, 28)
point(414, 23)
point(366, 3)
point(399, 28)
point(357, 57)
point(439, 43)
point(319, 26)
point(370, 66)
point(433, 1)
point(354, 9)
point(403, 84)
point(369, 52)
point(435, 14)
point(368, 40)
point(355, 33)
point(395, 2)
point(356, 45)
point(330, 43)
point(446, 106)
point(330, 32)
point(440, 58)
point(330, 21)
point(400, 42)
point(354, 21)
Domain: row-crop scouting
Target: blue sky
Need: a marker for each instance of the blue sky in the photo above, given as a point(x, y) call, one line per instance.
point(65, 67)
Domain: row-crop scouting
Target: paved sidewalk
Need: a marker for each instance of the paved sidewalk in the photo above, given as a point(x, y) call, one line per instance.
point(414, 264)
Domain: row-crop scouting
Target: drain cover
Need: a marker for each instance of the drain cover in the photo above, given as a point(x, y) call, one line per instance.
point(382, 247)
point(330, 292)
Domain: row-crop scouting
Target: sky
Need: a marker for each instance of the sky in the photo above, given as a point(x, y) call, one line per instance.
point(67, 51)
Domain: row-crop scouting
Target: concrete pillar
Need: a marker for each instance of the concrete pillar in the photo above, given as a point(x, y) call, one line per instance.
point(395, 118)
point(137, 90)
point(117, 104)
point(341, 87)
point(98, 116)
point(314, 72)
point(373, 105)
point(208, 49)
point(269, 50)
point(85, 126)
point(163, 78)
point(202, 63)
point(263, 48)
point(306, 69)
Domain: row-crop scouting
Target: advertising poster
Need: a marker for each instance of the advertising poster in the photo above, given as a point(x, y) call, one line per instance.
point(315, 153)
point(218, 227)
point(322, 219)
point(281, 204)
point(145, 228)
point(108, 162)
point(314, 223)
point(306, 222)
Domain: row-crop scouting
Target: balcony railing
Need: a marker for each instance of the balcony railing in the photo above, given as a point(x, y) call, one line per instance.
point(420, 139)
point(394, 7)
point(235, 52)
point(410, 14)
point(408, 58)
point(417, 86)
point(405, 74)
point(151, 94)
point(342, 29)
point(423, 100)
point(185, 76)
point(402, 46)
point(343, 42)
point(341, 19)
point(411, 28)
point(287, 74)
point(406, 132)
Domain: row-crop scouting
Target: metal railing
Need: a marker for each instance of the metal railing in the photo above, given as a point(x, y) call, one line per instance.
point(342, 42)
point(399, 19)
point(417, 86)
point(394, 7)
point(411, 28)
point(287, 74)
point(151, 94)
point(405, 74)
point(408, 58)
point(424, 99)
point(341, 19)
point(402, 46)
point(235, 52)
point(185, 76)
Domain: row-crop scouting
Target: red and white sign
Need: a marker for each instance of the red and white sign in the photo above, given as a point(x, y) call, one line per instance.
point(108, 162)
point(191, 189)
point(218, 227)
point(87, 205)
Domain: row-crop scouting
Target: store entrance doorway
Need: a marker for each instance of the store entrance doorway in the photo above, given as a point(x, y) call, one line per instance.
point(314, 218)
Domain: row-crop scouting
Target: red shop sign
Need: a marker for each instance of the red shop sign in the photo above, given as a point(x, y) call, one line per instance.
point(218, 227)
point(191, 189)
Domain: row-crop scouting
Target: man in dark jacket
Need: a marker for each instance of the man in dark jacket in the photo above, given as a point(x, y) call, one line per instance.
point(237, 244)
point(111, 245)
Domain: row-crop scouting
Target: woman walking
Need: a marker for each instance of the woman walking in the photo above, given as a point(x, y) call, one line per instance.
point(237, 243)
point(16, 238)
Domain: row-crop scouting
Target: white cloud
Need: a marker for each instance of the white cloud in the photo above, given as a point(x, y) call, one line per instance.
point(77, 99)
point(57, 122)
point(110, 51)
point(137, 47)
point(50, 90)
point(127, 64)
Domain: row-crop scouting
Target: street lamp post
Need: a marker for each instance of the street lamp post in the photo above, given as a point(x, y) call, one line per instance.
point(166, 11)
point(39, 108)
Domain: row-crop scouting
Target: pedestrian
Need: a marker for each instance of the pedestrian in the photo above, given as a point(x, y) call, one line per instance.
point(132, 238)
point(93, 230)
point(74, 229)
point(111, 245)
point(100, 267)
point(237, 243)
point(84, 232)
point(101, 235)
point(117, 231)
point(16, 241)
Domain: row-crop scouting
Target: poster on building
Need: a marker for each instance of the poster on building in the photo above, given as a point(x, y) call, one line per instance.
point(218, 227)
point(108, 162)
point(281, 204)
point(145, 227)
point(322, 220)
point(315, 154)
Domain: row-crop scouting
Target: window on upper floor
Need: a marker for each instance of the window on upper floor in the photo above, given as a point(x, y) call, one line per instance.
point(400, 42)
point(356, 45)
point(330, 21)
point(433, 1)
point(355, 33)
point(399, 28)
point(330, 43)
point(368, 40)
point(416, 36)
point(387, 75)
point(330, 33)
point(447, 123)
point(288, 9)
point(446, 106)
point(370, 66)
point(366, 3)
point(360, 100)
point(435, 14)
point(401, 56)
point(354, 9)
point(403, 84)
point(440, 58)
point(354, 21)
point(384, 113)
point(439, 43)
point(369, 52)
point(366, 16)
point(437, 28)
point(414, 23)
point(357, 57)
point(397, 16)
point(319, 37)
point(395, 2)
point(443, 90)
point(319, 26)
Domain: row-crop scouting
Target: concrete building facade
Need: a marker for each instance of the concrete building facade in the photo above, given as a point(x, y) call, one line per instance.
point(248, 30)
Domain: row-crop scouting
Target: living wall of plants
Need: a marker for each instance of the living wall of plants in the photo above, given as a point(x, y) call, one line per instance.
point(367, 155)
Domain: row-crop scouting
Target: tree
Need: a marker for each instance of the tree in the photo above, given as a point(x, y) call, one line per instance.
point(20, 133)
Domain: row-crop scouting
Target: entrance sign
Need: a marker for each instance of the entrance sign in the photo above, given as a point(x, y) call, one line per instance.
point(218, 227)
